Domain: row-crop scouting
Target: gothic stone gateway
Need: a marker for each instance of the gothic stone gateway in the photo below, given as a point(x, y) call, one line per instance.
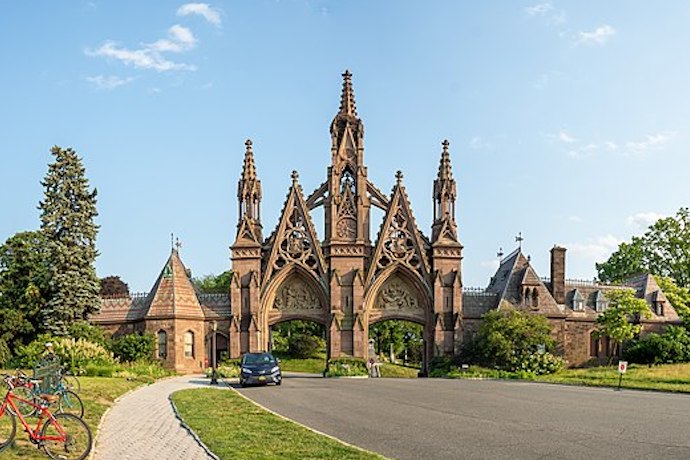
point(348, 282)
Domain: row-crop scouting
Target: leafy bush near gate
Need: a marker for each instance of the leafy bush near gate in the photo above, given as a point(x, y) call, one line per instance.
point(512, 341)
point(134, 347)
point(5, 353)
point(303, 346)
point(74, 354)
point(673, 346)
point(226, 369)
point(346, 367)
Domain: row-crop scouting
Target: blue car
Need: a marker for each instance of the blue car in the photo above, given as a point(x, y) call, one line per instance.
point(259, 369)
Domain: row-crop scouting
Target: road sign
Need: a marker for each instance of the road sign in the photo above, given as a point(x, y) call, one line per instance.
point(622, 366)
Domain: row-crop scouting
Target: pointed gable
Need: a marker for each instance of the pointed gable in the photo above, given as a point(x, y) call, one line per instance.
point(295, 239)
point(173, 294)
point(399, 239)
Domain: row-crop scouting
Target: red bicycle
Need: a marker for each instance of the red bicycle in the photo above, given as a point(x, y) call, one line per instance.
point(62, 436)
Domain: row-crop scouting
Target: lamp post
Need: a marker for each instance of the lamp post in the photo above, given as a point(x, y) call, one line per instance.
point(214, 370)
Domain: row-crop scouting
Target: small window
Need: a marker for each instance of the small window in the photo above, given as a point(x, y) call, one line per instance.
point(535, 298)
point(162, 343)
point(659, 308)
point(188, 344)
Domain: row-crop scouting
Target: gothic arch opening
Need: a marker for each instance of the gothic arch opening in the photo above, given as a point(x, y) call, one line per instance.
point(399, 345)
point(300, 339)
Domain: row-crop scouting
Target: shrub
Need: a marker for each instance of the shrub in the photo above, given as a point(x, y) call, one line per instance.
point(134, 347)
point(673, 346)
point(346, 367)
point(304, 346)
point(87, 331)
point(74, 354)
point(5, 354)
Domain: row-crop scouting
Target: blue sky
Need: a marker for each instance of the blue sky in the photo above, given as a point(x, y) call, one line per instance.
point(567, 120)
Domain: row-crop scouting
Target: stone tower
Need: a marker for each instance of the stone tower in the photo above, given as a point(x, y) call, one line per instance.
point(446, 257)
point(246, 262)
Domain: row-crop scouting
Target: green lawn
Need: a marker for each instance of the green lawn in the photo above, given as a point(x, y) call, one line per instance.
point(666, 377)
point(234, 428)
point(98, 393)
point(309, 365)
point(398, 371)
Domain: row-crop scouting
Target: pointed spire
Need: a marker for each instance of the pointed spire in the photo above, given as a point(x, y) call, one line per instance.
point(249, 169)
point(444, 169)
point(295, 177)
point(398, 177)
point(347, 98)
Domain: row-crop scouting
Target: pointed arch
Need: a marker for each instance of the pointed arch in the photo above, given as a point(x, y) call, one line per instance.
point(407, 282)
point(306, 288)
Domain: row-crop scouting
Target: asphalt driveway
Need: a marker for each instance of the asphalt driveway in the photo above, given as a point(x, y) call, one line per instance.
point(472, 419)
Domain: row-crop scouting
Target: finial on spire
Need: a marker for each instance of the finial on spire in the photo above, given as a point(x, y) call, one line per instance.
point(500, 254)
point(172, 242)
point(249, 169)
point(178, 244)
point(399, 177)
point(444, 169)
point(445, 145)
point(347, 98)
point(295, 177)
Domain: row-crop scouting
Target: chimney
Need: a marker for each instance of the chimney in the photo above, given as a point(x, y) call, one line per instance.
point(558, 274)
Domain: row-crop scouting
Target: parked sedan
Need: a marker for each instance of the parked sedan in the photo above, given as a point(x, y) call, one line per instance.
point(259, 368)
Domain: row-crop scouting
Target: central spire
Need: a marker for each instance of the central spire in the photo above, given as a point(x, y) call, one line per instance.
point(347, 98)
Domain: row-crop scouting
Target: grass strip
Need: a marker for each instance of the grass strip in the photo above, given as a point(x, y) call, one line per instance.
point(97, 393)
point(234, 428)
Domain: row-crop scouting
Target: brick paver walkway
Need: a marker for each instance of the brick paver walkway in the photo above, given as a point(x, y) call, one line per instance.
point(143, 426)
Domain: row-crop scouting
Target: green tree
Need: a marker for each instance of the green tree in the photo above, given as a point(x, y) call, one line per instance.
point(134, 347)
point(113, 286)
point(23, 287)
point(214, 283)
point(663, 250)
point(678, 296)
point(620, 321)
point(68, 211)
point(510, 340)
point(393, 336)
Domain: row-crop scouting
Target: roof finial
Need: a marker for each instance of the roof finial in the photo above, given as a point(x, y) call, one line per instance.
point(500, 254)
point(399, 177)
point(178, 245)
point(347, 98)
point(519, 239)
point(172, 242)
point(295, 177)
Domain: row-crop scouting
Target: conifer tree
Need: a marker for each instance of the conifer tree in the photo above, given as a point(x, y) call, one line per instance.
point(67, 220)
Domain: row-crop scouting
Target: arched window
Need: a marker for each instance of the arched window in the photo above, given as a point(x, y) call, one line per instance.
point(189, 344)
point(594, 344)
point(535, 298)
point(162, 344)
point(528, 297)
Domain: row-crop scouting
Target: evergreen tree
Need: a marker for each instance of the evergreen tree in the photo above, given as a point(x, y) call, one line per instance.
point(67, 221)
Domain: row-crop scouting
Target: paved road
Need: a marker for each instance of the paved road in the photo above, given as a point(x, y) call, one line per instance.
point(143, 426)
point(471, 419)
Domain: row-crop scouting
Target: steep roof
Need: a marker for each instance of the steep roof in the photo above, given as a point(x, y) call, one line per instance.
point(174, 294)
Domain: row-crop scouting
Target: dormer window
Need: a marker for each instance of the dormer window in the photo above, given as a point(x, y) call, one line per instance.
point(578, 301)
point(658, 301)
point(600, 302)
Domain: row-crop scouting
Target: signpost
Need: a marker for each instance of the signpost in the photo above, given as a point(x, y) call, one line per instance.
point(622, 369)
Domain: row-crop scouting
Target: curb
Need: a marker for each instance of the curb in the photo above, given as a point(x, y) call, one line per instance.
point(189, 429)
point(305, 426)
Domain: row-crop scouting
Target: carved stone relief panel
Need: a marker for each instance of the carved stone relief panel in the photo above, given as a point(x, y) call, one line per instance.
point(399, 244)
point(295, 243)
point(396, 294)
point(296, 294)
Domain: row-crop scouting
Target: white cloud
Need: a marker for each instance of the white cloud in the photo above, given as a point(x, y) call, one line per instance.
point(565, 137)
point(212, 15)
point(596, 249)
point(547, 11)
point(651, 142)
point(644, 219)
point(150, 56)
point(180, 39)
point(109, 82)
point(477, 143)
point(576, 219)
point(598, 36)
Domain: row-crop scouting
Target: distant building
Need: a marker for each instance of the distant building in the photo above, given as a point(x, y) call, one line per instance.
point(348, 282)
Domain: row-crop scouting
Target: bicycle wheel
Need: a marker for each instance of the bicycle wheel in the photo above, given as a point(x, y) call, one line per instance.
point(25, 409)
point(71, 383)
point(8, 429)
point(70, 403)
point(71, 438)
